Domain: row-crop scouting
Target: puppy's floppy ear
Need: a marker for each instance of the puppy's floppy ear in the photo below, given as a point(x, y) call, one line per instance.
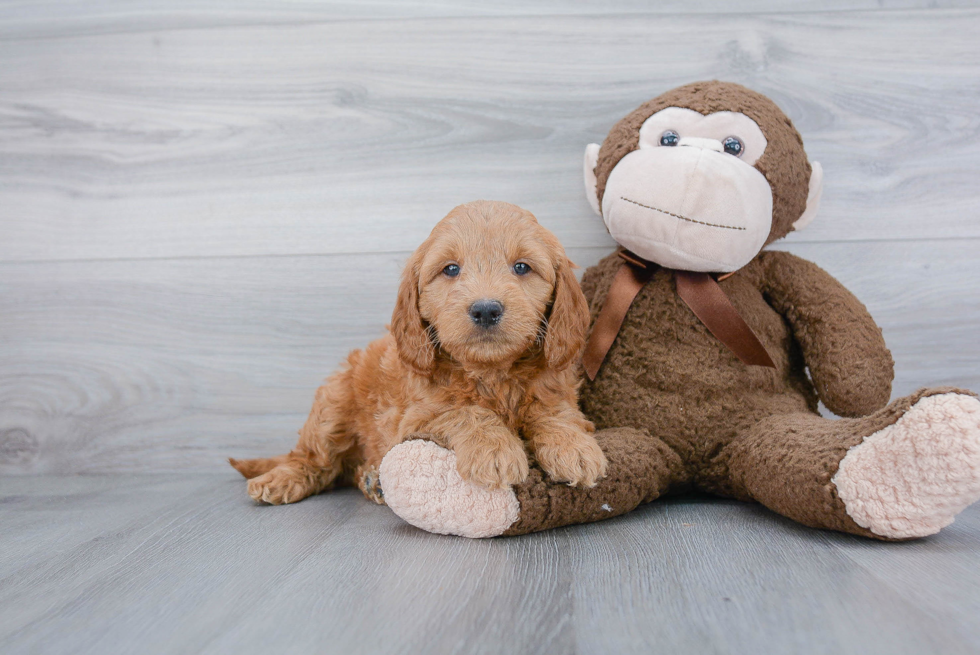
point(415, 348)
point(569, 319)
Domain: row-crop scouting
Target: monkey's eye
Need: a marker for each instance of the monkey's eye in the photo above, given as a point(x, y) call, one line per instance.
point(521, 268)
point(733, 146)
point(452, 270)
point(669, 138)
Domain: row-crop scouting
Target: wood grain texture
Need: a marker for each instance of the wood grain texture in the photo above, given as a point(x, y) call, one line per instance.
point(355, 136)
point(148, 365)
point(26, 19)
point(205, 205)
point(185, 563)
point(198, 220)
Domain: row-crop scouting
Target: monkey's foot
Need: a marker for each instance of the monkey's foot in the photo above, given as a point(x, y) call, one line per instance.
point(913, 477)
point(422, 485)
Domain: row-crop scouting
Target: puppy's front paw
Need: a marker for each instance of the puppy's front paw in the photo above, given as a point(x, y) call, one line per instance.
point(573, 457)
point(494, 463)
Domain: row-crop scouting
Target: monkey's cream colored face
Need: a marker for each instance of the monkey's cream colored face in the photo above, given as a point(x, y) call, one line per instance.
point(690, 196)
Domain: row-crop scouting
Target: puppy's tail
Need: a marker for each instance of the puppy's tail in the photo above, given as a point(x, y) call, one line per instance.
point(251, 468)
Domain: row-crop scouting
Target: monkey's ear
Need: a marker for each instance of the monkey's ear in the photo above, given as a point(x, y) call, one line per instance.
point(812, 198)
point(591, 159)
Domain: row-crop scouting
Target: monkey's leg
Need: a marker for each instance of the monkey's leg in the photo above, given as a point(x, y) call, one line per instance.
point(421, 485)
point(901, 473)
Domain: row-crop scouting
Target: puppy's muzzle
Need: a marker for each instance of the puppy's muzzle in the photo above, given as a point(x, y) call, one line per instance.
point(486, 313)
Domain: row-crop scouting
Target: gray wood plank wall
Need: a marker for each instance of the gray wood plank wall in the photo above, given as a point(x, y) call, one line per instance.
point(204, 206)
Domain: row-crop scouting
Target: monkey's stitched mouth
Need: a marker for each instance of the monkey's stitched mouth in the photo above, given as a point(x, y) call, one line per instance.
point(683, 218)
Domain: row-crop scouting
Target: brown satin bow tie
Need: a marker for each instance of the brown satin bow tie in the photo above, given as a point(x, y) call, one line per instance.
point(699, 291)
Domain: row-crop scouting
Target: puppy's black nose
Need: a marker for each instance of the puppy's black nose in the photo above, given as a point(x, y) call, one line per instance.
point(486, 313)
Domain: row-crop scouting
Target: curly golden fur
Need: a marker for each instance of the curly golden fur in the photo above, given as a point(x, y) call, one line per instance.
point(491, 391)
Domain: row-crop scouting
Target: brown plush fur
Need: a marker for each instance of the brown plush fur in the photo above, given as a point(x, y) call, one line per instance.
point(482, 390)
point(699, 418)
point(749, 432)
point(677, 409)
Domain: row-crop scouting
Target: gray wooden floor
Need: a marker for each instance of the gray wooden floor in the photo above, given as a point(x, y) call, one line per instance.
point(186, 563)
point(205, 204)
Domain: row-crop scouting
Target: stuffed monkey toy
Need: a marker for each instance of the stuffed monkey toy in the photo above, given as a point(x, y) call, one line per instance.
point(708, 354)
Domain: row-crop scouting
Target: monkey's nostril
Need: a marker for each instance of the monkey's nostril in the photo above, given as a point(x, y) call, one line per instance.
point(486, 313)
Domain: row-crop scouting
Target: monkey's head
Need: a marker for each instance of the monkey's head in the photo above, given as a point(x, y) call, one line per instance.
point(702, 177)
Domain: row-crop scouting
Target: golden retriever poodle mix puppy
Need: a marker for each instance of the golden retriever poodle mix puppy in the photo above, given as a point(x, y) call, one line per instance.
point(482, 353)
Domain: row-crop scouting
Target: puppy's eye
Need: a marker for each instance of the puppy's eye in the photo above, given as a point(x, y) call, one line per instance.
point(733, 146)
point(452, 270)
point(521, 268)
point(669, 138)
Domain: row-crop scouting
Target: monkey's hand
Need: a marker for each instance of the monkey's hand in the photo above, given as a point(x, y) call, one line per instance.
point(849, 363)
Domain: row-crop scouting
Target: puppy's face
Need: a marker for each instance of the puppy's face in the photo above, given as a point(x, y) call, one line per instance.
point(491, 284)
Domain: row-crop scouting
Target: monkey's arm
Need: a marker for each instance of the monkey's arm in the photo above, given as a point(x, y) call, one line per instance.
point(849, 363)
